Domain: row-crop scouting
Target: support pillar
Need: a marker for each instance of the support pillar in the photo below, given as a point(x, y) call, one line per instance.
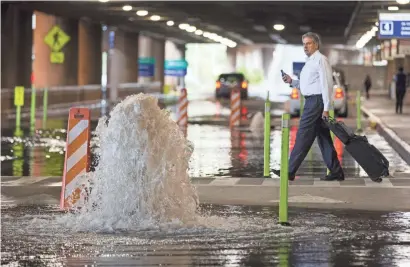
point(145, 50)
point(158, 52)
point(89, 53)
point(16, 46)
point(123, 59)
point(173, 52)
point(52, 74)
point(231, 54)
point(71, 28)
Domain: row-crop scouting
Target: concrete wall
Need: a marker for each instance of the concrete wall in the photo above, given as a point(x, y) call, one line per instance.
point(355, 75)
point(89, 53)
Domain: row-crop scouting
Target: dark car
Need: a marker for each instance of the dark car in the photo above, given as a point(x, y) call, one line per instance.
point(228, 81)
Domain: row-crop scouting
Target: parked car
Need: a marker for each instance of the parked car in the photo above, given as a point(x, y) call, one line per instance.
point(339, 98)
point(226, 82)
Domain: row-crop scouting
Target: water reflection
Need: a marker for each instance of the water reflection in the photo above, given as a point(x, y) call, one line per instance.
point(231, 236)
point(218, 152)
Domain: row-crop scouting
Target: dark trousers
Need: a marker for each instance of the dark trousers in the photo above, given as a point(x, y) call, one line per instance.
point(367, 92)
point(399, 100)
point(311, 126)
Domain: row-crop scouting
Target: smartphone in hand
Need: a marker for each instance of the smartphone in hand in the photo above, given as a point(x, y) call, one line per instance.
point(283, 73)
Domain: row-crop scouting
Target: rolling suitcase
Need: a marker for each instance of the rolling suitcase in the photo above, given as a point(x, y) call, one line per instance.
point(369, 157)
point(342, 132)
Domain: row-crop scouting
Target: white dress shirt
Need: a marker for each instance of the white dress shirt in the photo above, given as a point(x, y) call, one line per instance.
point(316, 78)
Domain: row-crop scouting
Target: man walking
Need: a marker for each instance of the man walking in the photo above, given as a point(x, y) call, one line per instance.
point(316, 85)
point(401, 83)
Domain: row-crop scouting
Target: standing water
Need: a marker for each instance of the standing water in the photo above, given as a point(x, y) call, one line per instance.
point(141, 179)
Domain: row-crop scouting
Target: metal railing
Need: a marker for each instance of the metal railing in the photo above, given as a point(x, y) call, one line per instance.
point(67, 96)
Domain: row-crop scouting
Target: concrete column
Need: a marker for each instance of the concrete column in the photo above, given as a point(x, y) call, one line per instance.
point(145, 50)
point(173, 52)
point(158, 52)
point(16, 46)
point(89, 53)
point(123, 59)
point(131, 57)
point(42, 67)
point(267, 58)
point(70, 27)
point(231, 53)
point(52, 74)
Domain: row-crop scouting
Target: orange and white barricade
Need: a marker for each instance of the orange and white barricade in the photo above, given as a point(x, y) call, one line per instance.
point(235, 117)
point(183, 109)
point(77, 157)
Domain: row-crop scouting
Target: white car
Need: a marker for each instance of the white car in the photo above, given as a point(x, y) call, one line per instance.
point(340, 100)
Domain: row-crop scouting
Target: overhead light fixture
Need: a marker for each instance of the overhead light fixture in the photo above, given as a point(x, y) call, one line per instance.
point(393, 8)
point(199, 32)
point(366, 37)
point(170, 23)
point(142, 13)
point(103, 1)
point(155, 17)
point(184, 26)
point(403, 2)
point(279, 27)
point(127, 8)
point(191, 29)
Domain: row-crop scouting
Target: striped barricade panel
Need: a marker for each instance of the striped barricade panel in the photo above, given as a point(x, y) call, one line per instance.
point(235, 117)
point(183, 109)
point(77, 157)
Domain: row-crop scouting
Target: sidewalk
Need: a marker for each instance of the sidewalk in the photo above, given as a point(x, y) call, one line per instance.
point(353, 193)
point(395, 128)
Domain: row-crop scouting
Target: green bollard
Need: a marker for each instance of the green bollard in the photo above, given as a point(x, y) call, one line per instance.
point(284, 171)
point(266, 146)
point(45, 102)
point(358, 112)
point(33, 107)
point(331, 116)
point(18, 117)
point(18, 102)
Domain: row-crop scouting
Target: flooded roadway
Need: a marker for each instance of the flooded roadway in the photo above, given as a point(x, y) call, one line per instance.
point(224, 235)
point(227, 236)
point(219, 152)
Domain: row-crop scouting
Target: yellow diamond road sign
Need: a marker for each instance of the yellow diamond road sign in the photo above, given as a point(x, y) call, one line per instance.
point(56, 38)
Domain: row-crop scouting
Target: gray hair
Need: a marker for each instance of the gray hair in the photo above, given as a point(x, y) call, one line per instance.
point(314, 36)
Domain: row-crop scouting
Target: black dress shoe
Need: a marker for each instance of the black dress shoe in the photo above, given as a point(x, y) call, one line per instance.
point(277, 172)
point(333, 177)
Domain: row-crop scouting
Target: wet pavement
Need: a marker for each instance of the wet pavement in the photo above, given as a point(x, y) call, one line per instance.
point(223, 236)
point(218, 152)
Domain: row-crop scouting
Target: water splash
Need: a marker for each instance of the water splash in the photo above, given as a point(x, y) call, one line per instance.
point(141, 179)
point(257, 125)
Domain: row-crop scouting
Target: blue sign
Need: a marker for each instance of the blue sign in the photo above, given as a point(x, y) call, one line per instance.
point(394, 25)
point(297, 68)
point(146, 67)
point(177, 68)
point(111, 38)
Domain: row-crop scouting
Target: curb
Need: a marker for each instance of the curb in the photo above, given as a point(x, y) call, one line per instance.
point(401, 147)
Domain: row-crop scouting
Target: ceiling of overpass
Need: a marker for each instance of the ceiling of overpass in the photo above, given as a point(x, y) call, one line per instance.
point(338, 22)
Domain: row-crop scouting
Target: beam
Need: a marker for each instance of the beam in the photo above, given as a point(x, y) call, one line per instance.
point(353, 18)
